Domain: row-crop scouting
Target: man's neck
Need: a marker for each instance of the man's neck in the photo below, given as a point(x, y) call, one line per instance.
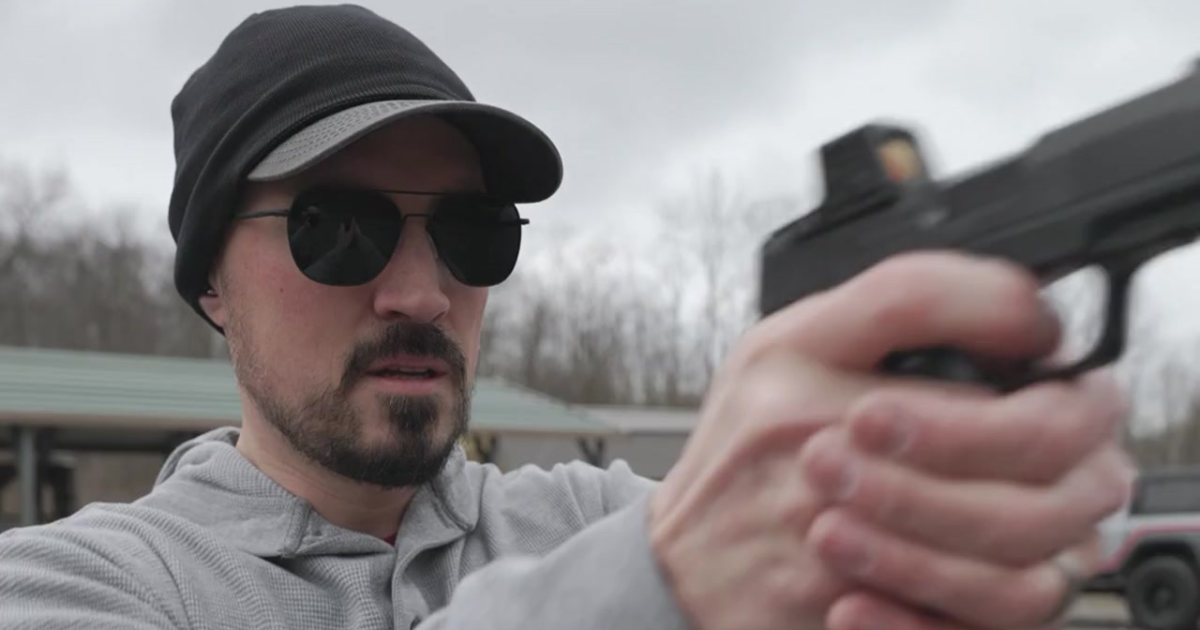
point(345, 503)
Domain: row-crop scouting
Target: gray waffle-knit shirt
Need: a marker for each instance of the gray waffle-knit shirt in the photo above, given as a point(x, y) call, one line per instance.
point(218, 544)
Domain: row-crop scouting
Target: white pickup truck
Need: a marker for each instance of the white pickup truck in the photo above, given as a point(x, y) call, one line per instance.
point(1152, 551)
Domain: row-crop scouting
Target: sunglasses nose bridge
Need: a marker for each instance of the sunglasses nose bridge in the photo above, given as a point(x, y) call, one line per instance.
point(414, 227)
point(412, 224)
point(412, 284)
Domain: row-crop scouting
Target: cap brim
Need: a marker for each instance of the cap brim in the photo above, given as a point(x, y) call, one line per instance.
point(519, 161)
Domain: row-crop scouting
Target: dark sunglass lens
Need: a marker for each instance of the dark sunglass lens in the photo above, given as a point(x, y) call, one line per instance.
point(478, 238)
point(342, 237)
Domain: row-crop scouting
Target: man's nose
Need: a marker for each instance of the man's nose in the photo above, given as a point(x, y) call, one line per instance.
point(411, 286)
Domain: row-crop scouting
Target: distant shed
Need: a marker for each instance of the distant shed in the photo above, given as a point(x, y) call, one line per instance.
point(650, 438)
point(59, 400)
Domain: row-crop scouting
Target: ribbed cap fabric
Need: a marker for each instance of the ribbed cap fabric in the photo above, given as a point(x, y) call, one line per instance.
point(282, 71)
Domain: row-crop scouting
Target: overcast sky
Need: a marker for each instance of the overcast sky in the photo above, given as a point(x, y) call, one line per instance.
point(639, 94)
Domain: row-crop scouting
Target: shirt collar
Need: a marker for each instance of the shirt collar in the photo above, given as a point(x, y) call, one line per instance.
point(208, 482)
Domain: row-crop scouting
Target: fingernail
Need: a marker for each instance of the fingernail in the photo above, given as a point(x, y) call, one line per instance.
point(884, 428)
point(839, 478)
point(847, 481)
point(900, 432)
point(831, 468)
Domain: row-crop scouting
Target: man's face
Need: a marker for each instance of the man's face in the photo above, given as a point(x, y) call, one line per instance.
point(338, 370)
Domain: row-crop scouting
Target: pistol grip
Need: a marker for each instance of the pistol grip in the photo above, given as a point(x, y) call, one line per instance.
point(946, 364)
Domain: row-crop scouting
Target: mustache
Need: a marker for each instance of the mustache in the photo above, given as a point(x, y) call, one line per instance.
point(420, 340)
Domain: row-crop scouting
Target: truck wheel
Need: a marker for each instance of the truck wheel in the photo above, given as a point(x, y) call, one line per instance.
point(1163, 593)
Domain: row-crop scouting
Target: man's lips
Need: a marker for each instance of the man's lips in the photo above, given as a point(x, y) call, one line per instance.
point(409, 367)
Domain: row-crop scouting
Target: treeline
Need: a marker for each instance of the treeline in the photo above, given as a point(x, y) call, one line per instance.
point(583, 320)
point(94, 284)
point(587, 319)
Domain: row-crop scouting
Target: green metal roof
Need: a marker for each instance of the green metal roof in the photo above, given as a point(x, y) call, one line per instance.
point(96, 389)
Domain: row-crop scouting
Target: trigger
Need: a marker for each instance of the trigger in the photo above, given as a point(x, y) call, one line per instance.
point(945, 364)
point(1111, 343)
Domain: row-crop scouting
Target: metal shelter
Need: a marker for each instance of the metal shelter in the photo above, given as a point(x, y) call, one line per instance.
point(61, 400)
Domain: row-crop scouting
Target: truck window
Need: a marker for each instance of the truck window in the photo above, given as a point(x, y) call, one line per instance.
point(1163, 496)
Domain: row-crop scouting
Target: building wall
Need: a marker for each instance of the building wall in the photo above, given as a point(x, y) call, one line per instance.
point(124, 477)
point(648, 455)
point(99, 477)
point(512, 452)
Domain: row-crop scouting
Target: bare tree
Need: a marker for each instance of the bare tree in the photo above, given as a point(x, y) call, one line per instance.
point(84, 284)
point(604, 320)
point(717, 230)
point(702, 227)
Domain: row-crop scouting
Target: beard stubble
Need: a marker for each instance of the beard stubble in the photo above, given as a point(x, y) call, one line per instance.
point(327, 429)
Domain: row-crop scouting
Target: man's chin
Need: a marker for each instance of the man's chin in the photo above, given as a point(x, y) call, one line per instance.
point(385, 437)
point(398, 441)
point(393, 463)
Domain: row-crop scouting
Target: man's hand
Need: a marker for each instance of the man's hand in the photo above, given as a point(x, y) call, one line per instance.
point(957, 505)
point(818, 494)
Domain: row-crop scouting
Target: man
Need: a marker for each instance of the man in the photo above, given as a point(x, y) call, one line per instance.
point(342, 206)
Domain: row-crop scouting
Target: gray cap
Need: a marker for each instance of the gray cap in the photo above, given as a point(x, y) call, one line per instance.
point(512, 149)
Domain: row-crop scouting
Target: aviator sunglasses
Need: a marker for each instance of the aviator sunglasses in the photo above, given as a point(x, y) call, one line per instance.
point(346, 236)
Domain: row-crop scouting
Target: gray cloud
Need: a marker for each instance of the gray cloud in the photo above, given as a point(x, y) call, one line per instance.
point(618, 84)
point(639, 94)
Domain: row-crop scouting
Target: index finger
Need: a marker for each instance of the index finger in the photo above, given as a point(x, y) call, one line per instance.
point(1033, 436)
point(917, 300)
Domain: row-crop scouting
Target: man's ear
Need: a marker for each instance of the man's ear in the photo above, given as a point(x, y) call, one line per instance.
point(213, 304)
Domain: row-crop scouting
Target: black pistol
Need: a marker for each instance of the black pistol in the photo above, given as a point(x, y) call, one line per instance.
point(1112, 190)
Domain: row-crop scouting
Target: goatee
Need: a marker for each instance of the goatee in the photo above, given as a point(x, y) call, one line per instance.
point(327, 429)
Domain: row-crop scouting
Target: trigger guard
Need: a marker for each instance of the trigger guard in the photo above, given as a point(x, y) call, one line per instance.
point(950, 364)
point(1112, 336)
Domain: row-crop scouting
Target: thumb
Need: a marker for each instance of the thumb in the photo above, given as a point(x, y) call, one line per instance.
point(984, 306)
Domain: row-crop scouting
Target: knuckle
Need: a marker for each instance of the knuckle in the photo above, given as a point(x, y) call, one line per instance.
point(1055, 414)
point(1019, 288)
point(903, 288)
point(1007, 533)
point(1028, 597)
point(1108, 398)
point(1115, 473)
point(1088, 556)
point(764, 397)
point(770, 407)
point(784, 390)
point(761, 341)
point(796, 510)
point(846, 614)
point(1044, 421)
point(1015, 298)
point(795, 585)
point(747, 351)
point(798, 320)
point(796, 505)
point(1095, 490)
point(1013, 284)
point(997, 540)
